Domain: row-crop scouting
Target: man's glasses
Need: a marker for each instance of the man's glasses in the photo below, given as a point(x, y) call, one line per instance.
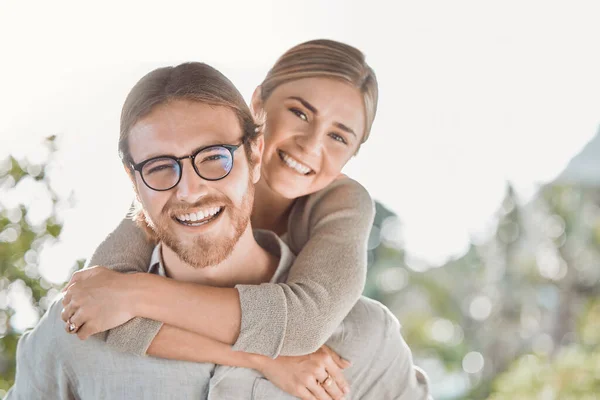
point(210, 163)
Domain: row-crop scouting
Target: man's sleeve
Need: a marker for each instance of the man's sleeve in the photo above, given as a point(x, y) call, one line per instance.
point(40, 372)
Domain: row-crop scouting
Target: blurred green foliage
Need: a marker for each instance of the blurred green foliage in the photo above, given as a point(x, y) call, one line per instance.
point(517, 316)
point(20, 242)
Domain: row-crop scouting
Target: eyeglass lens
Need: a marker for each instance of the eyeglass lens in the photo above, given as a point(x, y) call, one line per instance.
point(211, 163)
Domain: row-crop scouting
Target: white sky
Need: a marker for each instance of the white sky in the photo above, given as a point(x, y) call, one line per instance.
point(472, 93)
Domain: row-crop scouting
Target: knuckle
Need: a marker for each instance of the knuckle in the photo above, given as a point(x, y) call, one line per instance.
point(298, 389)
point(307, 380)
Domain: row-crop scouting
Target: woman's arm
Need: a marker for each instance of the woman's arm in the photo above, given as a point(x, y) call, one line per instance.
point(298, 376)
point(329, 231)
point(126, 249)
point(330, 228)
point(119, 297)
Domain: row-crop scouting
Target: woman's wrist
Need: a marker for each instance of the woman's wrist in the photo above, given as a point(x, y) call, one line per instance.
point(136, 294)
point(257, 362)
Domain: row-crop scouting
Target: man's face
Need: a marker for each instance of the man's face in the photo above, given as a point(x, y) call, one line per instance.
point(184, 217)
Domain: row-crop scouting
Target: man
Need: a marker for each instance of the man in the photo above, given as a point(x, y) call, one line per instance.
point(179, 149)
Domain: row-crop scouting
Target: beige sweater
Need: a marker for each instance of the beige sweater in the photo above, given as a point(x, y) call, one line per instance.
point(328, 230)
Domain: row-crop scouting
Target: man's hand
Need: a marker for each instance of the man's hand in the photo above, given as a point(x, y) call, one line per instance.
point(96, 299)
point(317, 376)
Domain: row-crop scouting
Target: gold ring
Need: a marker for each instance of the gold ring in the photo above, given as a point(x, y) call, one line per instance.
point(327, 381)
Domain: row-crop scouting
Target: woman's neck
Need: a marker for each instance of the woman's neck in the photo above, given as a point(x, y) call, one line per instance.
point(271, 210)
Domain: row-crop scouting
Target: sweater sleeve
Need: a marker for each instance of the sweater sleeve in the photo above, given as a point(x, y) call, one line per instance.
point(127, 249)
point(329, 231)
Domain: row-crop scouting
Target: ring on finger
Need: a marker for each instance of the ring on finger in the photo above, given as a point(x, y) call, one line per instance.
point(72, 326)
point(327, 381)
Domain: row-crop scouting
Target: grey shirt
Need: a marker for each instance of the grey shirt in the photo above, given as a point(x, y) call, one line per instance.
point(52, 364)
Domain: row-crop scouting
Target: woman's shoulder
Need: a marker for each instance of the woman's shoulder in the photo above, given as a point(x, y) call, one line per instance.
point(343, 191)
point(343, 205)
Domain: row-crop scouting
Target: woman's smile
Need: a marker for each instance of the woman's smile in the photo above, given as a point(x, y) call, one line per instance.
point(294, 164)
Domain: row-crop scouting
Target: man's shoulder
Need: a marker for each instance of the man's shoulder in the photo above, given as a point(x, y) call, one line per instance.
point(369, 311)
point(50, 324)
point(42, 345)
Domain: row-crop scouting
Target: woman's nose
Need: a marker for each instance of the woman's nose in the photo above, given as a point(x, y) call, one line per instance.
point(310, 142)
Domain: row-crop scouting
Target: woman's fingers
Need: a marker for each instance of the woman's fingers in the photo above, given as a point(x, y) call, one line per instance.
point(68, 312)
point(85, 331)
point(318, 391)
point(305, 394)
point(342, 363)
point(333, 386)
point(73, 321)
point(332, 365)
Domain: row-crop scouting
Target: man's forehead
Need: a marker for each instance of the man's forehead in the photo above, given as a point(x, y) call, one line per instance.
point(179, 127)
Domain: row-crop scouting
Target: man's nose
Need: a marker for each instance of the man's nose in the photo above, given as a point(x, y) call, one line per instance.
point(191, 187)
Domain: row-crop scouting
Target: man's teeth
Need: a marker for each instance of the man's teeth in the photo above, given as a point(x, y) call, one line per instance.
point(303, 169)
point(199, 215)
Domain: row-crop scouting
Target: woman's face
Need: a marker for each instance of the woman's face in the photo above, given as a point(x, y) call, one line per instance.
point(313, 127)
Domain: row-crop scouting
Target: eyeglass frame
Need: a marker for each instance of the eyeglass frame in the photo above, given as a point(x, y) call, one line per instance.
point(230, 147)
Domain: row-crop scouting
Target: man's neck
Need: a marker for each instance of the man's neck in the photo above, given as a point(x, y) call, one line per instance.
point(248, 263)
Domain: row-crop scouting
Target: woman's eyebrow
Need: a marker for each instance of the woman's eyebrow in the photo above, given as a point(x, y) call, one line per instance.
point(314, 111)
point(305, 104)
point(345, 128)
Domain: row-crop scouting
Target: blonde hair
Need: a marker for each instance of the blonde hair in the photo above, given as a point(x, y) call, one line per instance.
point(326, 59)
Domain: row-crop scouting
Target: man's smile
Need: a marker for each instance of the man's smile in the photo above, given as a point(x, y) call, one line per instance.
point(199, 218)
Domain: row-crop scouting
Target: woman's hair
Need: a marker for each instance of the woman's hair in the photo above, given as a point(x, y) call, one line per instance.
point(326, 59)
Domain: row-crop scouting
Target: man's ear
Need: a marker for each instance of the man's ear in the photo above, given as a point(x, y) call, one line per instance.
point(256, 154)
point(256, 106)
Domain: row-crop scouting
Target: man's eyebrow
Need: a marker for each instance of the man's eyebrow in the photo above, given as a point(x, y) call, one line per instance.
point(195, 150)
point(314, 111)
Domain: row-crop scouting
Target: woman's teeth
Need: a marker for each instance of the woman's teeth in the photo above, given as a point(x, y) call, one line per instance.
point(292, 163)
point(199, 215)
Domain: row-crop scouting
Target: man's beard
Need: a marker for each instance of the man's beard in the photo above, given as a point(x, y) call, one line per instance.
point(205, 251)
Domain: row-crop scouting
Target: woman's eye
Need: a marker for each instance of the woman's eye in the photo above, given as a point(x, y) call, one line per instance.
point(338, 138)
point(299, 114)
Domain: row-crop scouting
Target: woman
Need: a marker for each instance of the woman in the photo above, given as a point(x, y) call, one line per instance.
point(318, 103)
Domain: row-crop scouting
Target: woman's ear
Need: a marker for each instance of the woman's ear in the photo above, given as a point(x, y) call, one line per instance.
point(258, 147)
point(256, 106)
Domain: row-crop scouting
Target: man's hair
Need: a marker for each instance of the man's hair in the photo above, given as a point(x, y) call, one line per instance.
point(192, 81)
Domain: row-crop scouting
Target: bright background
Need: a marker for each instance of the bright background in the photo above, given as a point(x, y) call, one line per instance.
point(472, 94)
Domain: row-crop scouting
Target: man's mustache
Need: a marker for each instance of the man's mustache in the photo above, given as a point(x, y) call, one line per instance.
point(174, 208)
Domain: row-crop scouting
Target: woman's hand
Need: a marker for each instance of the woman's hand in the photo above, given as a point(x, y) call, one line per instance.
point(317, 376)
point(97, 299)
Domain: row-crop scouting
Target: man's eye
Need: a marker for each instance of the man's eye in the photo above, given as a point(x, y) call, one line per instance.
point(159, 168)
point(338, 138)
point(299, 114)
point(214, 157)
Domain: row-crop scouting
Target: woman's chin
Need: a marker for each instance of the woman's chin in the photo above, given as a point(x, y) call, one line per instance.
point(286, 188)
